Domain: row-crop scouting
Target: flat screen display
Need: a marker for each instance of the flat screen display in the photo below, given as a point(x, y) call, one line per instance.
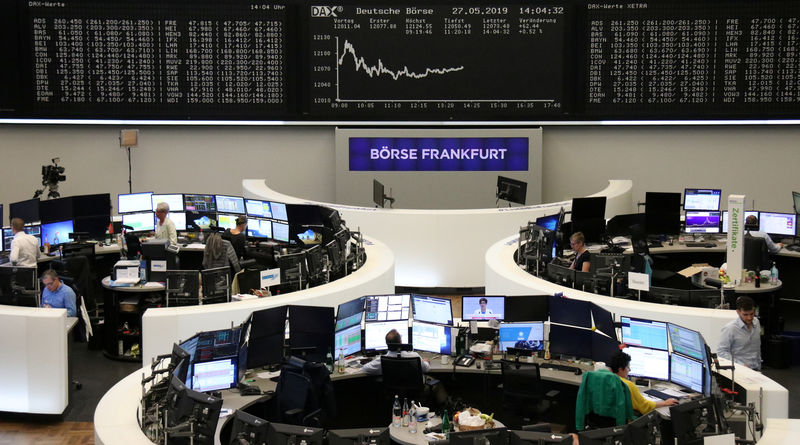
point(702, 222)
point(778, 223)
point(387, 307)
point(483, 308)
point(648, 363)
point(196, 221)
point(199, 203)
point(259, 228)
point(177, 218)
point(214, 375)
point(724, 227)
point(57, 232)
point(570, 341)
point(279, 211)
point(431, 337)
point(646, 333)
point(280, 231)
point(348, 340)
point(701, 199)
point(135, 202)
point(173, 200)
point(432, 309)
point(375, 333)
point(686, 341)
point(230, 204)
point(256, 207)
point(570, 312)
point(686, 372)
point(350, 313)
point(226, 221)
point(141, 222)
point(522, 336)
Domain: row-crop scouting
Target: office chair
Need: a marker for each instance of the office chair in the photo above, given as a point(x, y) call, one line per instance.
point(403, 376)
point(182, 288)
point(523, 393)
point(603, 401)
point(294, 391)
point(756, 255)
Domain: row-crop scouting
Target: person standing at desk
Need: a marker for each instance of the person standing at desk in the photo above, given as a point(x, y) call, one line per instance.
point(219, 253)
point(620, 365)
point(751, 224)
point(237, 236)
point(582, 261)
point(741, 338)
point(393, 338)
point(24, 248)
point(165, 228)
point(57, 294)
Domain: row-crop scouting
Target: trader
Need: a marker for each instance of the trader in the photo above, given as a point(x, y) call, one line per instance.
point(219, 253)
point(165, 228)
point(393, 340)
point(24, 247)
point(483, 310)
point(582, 261)
point(237, 236)
point(57, 294)
point(741, 338)
point(620, 365)
point(751, 223)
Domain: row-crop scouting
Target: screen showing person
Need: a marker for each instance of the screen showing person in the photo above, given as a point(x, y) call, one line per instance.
point(256, 207)
point(482, 308)
point(230, 204)
point(648, 363)
point(141, 222)
point(173, 200)
point(522, 336)
point(686, 372)
point(259, 228)
point(134, 202)
point(348, 340)
point(646, 333)
point(375, 333)
point(57, 232)
point(432, 309)
point(431, 337)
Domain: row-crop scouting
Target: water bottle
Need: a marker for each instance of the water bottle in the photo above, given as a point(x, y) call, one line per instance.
point(341, 360)
point(445, 425)
point(329, 361)
point(397, 412)
point(142, 269)
point(412, 419)
point(405, 412)
point(773, 275)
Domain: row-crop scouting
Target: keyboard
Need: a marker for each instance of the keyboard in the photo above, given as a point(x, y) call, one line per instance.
point(707, 245)
point(660, 395)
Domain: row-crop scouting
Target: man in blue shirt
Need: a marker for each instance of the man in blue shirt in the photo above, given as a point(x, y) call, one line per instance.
point(741, 338)
point(57, 294)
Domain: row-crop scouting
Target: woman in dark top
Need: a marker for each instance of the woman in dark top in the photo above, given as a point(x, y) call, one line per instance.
point(237, 236)
point(582, 261)
point(219, 253)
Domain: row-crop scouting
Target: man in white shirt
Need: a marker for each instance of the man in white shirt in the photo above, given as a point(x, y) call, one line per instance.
point(24, 247)
point(393, 338)
point(165, 228)
point(751, 223)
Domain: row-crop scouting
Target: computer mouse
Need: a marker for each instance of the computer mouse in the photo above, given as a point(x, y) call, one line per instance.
point(478, 364)
point(578, 371)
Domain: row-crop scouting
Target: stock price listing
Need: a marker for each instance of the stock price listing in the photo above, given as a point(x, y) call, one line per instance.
point(436, 61)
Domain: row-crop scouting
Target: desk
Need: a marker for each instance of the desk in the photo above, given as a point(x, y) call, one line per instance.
point(115, 317)
point(781, 432)
point(402, 436)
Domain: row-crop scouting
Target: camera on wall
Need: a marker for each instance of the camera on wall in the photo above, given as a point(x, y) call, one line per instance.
point(51, 176)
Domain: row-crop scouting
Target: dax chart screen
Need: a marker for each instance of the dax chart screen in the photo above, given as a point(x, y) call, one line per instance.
point(447, 60)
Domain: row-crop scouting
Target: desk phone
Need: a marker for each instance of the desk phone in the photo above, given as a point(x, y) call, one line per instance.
point(465, 360)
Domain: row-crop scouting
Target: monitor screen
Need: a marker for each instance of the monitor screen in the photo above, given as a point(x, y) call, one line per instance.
point(199, 203)
point(483, 308)
point(279, 211)
point(648, 363)
point(522, 336)
point(701, 199)
point(283, 434)
point(375, 333)
point(256, 207)
point(230, 204)
point(686, 341)
point(432, 309)
point(526, 308)
point(177, 218)
point(348, 340)
point(173, 200)
point(141, 222)
point(431, 337)
point(225, 221)
point(566, 340)
point(57, 232)
point(377, 193)
point(724, 227)
point(702, 222)
point(213, 375)
point(603, 320)
point(588, 208)
point(778, 223)
point(135, 202)
point(387, 307)
point(350, 313)
point(646, 333)
point(686, 372)
point(512, 190)
point(663, 213)
point(603, 348)
point(27, 210)
point(7, 237)
point(259, 228)
point(796, 201)
point(53, 210)
point(570, 312)
point(196, 221)
point(549, 222)
point(280, 231)
point(310, 236)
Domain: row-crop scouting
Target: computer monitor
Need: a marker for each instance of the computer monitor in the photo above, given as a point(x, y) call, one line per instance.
point(701, 199)
point(135, 202)
point(686, 341)
point(311, 327)
point(511, 190)
point(201, 408)
point(230, 204)
point(784, 224)
point(248, 428)
point(602, 436)
point(588, 208)
point(621, 225)
point(18, 286)
point(173, 200)
point(526, 308)
point(183, 284)
point(603, 348)
point(686, 372)
point(283, 434)
point(432, 309)
point(199, 203)
point(377, 193)
point(663, 213)
point(347, 340)
point(53, 210)
point(431, 337)
point(697, 221)
point(258, 208)
point(645, 333)
point(696, 419)
point(648, 363)
point(56, 233)
point(724, 226)
point(482, 308)
point(309, 236)
point(335, 256)
point(177, 218)
point(528, 335)
point(27, 210)
point(603, 320)
point(560, 274)
point(280, 231)
point(570, 312)
point(259, 228)
point(279, 211)
point(140, 222)
point(350, 313)
point(538, 438)
point(494, 436)
point(375, 333)
point(198, 221)
point(549, 222)
point(571, 341)
point(226, 221)
point(387, 307)
point(359, 436)
point(95, 226)
point(266, 337)
point(214, 375)
point(795, 202)
point(645, 430)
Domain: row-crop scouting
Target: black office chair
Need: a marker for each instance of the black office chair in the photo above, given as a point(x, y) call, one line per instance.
point(304, 395)
point(523, 393)
point(756, 255)
point(403, 376)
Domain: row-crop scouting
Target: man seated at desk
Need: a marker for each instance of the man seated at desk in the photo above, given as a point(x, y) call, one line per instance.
point(582, 261)
point(620, 365)
point(393, 338)
point(751, 224)
point(741, 338)
point(57, 294)
point(24, 248)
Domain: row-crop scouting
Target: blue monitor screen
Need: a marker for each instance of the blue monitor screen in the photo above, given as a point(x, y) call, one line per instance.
point(279, 211)
point(548, 222)
point(646, 333)
point(483, 308)
point(686, 372)
point(230, 204)
point(522, 336)
point(259, 228)
point(431, 337)
point(57, 232)
point(686, 341)
point(702, 222)
point(280, 232)
point(701, 199)
point(256, 207)
point(648, 363)
point(432, 309)
point(348, 340)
